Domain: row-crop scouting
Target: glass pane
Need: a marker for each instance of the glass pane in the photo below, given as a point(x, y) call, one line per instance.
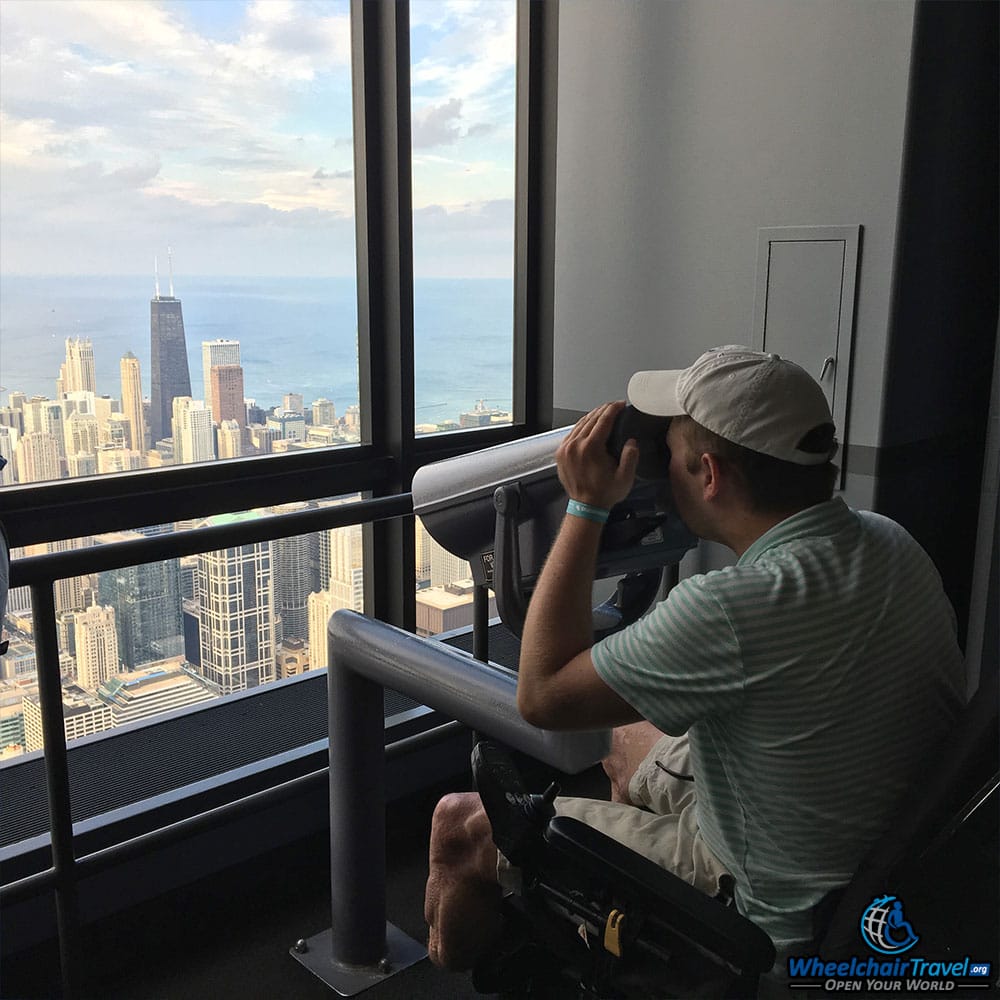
point(177, 265)
point(444, 587)
point(463, 113)
point(137, 641)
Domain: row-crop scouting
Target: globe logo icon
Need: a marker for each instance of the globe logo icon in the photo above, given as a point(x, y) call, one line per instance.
point(884, 928)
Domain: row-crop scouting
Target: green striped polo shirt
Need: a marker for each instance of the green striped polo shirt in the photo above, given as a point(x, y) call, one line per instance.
point(811, 676)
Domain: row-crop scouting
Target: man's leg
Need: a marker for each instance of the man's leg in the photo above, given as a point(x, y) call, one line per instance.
point(462, 901)
point(629, 747)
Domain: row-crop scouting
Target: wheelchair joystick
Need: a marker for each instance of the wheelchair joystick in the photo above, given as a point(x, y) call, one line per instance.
point(518, 817)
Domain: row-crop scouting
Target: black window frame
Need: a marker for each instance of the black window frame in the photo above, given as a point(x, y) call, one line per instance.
point(381, 468)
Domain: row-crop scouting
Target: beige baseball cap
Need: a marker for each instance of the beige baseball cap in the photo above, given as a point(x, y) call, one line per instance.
point(757, 400)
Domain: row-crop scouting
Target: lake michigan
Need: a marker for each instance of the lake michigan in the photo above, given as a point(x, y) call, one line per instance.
point(296, 335)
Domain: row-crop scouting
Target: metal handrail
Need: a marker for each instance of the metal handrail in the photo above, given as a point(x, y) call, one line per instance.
point(39, 573)
point(54, 566)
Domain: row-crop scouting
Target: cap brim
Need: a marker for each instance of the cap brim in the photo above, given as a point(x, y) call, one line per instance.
point(655, 393)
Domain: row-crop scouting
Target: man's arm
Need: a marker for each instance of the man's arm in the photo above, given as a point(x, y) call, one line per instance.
point(558, 687)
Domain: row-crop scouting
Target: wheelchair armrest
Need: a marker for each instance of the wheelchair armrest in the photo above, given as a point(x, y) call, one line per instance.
point(667, 899)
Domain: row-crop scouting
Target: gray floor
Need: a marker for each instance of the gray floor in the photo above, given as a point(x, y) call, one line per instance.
point(230, 935)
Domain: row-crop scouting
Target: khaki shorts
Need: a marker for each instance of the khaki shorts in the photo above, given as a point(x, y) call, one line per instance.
point(662, 825)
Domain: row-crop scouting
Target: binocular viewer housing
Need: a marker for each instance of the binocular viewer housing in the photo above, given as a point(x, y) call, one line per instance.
point(500, 509)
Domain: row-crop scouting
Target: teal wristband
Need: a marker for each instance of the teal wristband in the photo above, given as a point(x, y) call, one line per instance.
point(588, 511)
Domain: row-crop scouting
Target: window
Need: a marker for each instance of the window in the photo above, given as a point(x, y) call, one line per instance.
point(463, 59)
point(42, 175)
point(178, 265)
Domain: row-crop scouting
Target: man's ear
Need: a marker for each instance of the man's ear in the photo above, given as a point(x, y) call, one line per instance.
point(711, 481)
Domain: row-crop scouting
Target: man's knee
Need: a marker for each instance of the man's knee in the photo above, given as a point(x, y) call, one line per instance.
point(629, 747)
point(461, 834)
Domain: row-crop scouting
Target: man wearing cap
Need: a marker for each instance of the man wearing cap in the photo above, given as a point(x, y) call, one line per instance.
point(799, 687)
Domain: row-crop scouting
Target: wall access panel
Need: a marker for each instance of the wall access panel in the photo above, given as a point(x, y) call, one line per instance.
point(804, 304)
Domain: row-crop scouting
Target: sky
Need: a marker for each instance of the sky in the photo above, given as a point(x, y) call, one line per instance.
point(223, 129)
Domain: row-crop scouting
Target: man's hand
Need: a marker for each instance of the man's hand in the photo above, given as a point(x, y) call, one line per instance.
point(587, 470)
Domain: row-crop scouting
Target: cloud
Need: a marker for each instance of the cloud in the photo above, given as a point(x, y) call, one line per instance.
point(438, 125)
point(127, 124)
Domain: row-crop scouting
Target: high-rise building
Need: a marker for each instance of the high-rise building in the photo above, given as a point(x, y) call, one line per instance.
point(293, 658)
point(423, 555)
point(441, 609)
point(320, 609)
point(147, 604)
point(227, 394)
point(161, 687)
point(170, 376)
point(213, 353)
point(96, 646)
point(289, 425)
point(292, 579)
point(45, 416)
point(70, 593)
point(294, 403)
point(229, 439)
point(11, 416)
point(9, 436)
point(105, 408)
point(113, 459)
point(347, 576)
point(81, 464)
point(83, 715)
point(79, 370)
point(131, 377)
point(78, 401)
point(117, 431)
point(81, 433)
point(194, 438)
point(446, 567)
point(261, 439)
point(324, 413)
point(38, 458)
point(236, 612)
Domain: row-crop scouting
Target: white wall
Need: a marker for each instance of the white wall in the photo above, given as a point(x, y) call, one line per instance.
point(684, 126)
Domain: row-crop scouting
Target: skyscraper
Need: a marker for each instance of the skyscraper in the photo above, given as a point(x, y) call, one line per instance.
point(147, 603)
point(79, 371)
point(237, 634)
point(168, 353)
point(217, 352)
point(38, 458)
point(292, 578)
point(81, 434)
point(320, 608)
point(132, 401)
point(96, 647)
point(324, 413)
point(227, 393)
point(292, 401)
point(347, 575)
point(46, 416)
point(192, 431)
point(229, 439)
point(72, 593)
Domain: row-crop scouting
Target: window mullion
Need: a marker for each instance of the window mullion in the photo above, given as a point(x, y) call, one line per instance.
point(381, 54)
point(535, 205)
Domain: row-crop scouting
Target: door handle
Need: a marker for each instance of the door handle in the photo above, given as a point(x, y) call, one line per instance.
point(830, 362)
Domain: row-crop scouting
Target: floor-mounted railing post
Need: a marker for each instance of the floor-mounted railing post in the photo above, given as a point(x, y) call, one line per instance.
point(357, 816)
point(360, 949)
